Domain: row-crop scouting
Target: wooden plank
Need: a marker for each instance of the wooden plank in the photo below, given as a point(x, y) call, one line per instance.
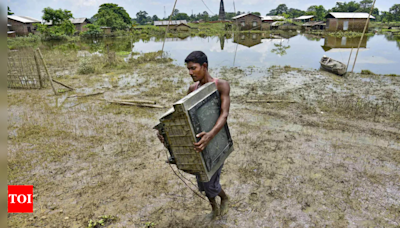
point(137, 101)
point(137, 104)
point(60, 83)
point(270, 101)
point(86, 95)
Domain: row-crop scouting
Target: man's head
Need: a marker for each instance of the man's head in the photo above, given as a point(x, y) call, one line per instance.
point(197, 64)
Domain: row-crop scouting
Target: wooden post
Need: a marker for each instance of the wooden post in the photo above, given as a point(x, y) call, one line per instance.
point(47, 71)
point(38, 70)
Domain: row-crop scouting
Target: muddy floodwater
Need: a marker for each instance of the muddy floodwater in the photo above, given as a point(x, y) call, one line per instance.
point(376, 54)
point(330, 157)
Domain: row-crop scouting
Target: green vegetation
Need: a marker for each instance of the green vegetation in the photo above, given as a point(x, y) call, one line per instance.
point(9, 11)
point(92, 30)
point(368, 72)
point(114, 16)
point(61, 24)
point(103, 220)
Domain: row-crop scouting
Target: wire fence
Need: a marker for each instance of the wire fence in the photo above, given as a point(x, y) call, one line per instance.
point(25, 70)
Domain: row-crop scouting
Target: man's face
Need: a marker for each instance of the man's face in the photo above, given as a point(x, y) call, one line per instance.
point(196, 70)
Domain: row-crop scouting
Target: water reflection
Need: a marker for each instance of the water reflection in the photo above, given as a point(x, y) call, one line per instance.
point(248, 40)
point(336, 43)
point(392, 37)
point(378, 53)
point(280, 48)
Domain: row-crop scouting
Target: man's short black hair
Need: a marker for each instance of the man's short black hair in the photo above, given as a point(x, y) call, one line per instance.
point(197, 57)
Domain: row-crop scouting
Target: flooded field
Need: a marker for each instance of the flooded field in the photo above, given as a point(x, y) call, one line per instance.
point(377, 53)
point(331, 158)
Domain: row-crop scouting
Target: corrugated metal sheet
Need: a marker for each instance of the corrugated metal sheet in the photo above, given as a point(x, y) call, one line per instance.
point(78, 20)
point(23, 19)
point(242, 15)
point(304, 17)
point(177, 22)
point(73, 21)
point(352, 15)
point(272, 18)
point(312, 23)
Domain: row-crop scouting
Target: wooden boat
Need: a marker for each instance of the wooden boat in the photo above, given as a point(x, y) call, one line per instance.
point(333, 66)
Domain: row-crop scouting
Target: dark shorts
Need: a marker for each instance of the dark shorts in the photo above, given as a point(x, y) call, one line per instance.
point(213, 187)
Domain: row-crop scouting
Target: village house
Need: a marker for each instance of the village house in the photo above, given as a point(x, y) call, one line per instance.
point(22, 25)
point(346, 21)
point(283, 25)
point(10, 33)
point(314, 25)
point(178, 25)
point(247, 21)
point(78, 22)
point(304, 19)
point(270, 19)
point(106, 30)
point(182, 27)
point(266, 21)
point(164, 24)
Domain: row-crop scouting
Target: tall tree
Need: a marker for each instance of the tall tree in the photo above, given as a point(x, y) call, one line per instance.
point(181, 16)
point(141, 17)
point(386, 16)
point(56, 16)
point(176, 11)
point(293, 13)
point(111, 15)
point(9, 11)
point(60, 20)
point(155, 18)
point(366, 4)
point(351, 6)
point(318, 11)
point(395, 11)
point(282, 8)
point(272, 12)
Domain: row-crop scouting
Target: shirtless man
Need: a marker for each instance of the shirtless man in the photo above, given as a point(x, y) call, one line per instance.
point(197, 65)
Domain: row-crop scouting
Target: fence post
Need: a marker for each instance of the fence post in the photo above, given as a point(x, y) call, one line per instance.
point(38, 70)
point(47, 71)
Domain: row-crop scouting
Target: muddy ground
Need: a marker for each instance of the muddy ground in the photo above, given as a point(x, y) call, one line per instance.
point(330, 159)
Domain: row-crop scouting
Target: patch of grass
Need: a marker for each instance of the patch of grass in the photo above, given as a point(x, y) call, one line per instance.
point(123, 53)
point(392, 75)
point(368, 72)
point(103, 221)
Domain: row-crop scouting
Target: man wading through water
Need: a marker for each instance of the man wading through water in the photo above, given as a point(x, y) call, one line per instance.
point(197, 65)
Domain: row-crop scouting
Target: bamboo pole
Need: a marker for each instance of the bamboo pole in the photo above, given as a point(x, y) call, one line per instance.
point(38, 70)
point(47, 71)
point(166, 30)
point(362, 36)
point(60, 83)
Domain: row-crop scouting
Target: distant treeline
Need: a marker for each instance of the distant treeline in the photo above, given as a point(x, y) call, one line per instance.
point(318, 11)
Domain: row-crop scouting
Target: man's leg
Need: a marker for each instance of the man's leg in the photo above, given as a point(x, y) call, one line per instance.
point(224, 202)
point(214, 206)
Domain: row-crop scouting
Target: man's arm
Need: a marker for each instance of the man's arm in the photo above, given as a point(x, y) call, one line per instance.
point(206, 137)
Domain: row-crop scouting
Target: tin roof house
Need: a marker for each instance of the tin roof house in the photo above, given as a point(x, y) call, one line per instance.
point(22, 25)
point(354, 21)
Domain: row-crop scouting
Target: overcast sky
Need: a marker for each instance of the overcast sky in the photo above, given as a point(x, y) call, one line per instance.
point(87, 8)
